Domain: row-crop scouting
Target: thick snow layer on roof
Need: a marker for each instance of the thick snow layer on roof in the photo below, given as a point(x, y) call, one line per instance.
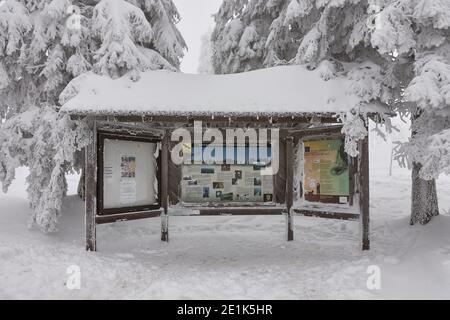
point(278, 90)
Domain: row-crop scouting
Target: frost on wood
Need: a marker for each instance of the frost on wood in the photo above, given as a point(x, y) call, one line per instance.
point(298, 172)
point(47, 144)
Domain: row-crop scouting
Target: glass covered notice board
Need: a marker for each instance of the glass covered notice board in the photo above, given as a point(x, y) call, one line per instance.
point(326, 171)
point(240, 179)
point(129, 174)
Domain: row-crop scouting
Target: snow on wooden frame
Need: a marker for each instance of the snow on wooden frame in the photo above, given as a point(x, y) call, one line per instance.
point(271, 91)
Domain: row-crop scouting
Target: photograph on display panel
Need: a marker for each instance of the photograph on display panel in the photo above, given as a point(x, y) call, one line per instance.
point(238, 182)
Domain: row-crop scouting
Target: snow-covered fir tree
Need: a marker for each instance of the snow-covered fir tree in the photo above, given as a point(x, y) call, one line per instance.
point(206, 54)
point(126, 40)
point(167, 39)
point(408, 40)
point(250, 34)
point(428, 93)
point(15, 34)
point(44, 45)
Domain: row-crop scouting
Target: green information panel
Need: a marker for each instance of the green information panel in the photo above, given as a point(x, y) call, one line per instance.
point(326, 174)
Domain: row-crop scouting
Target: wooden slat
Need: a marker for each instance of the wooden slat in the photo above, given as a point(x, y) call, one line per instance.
point(322, 132)
point(270, 120)
point(240, 211)
point(364, 192)
point(91, 190)
point(175, 176)
point(280, 177)
point(289, 188)
point(352, 172)
point(165, 187)
point(128, 216)
point(327, 214)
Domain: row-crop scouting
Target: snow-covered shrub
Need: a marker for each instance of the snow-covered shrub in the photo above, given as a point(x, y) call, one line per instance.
point(45, 142)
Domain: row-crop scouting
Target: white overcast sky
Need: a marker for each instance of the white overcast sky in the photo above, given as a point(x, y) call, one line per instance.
point(196, 19)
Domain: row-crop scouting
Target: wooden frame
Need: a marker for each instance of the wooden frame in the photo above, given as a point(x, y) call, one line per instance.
point(230, 204)
point(328, 214)
point(331, 134)
point(363, 191)
point(110, 218)
point(101, 136)
point(350, 160)
point(94, 211)
point(96, 214)
point(289, 188)
point(283, 119)
point(165, 187)
point(358, 182)
point(241, 211)
point(91, 189)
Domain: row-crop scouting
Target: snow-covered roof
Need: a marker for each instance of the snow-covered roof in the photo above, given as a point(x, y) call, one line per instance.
point(272, 91)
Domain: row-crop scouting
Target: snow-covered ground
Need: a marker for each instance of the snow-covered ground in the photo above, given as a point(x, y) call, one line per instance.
point(232, 257)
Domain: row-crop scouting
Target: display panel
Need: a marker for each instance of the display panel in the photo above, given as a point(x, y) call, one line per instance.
point(326, 171)
point(129, 173)
point(241, 181)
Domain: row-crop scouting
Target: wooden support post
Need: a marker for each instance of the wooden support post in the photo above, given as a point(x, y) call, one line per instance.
point(91, 190)
point(289, 188)
point(165, 187)
point(364, 192)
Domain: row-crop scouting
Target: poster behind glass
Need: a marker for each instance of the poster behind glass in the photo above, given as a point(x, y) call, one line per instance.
point(129, 173)
point(240, 181)
point(326, 174)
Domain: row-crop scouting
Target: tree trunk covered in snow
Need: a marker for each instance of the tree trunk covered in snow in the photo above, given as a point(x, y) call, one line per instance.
point(424, 204)
point(424, 201)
